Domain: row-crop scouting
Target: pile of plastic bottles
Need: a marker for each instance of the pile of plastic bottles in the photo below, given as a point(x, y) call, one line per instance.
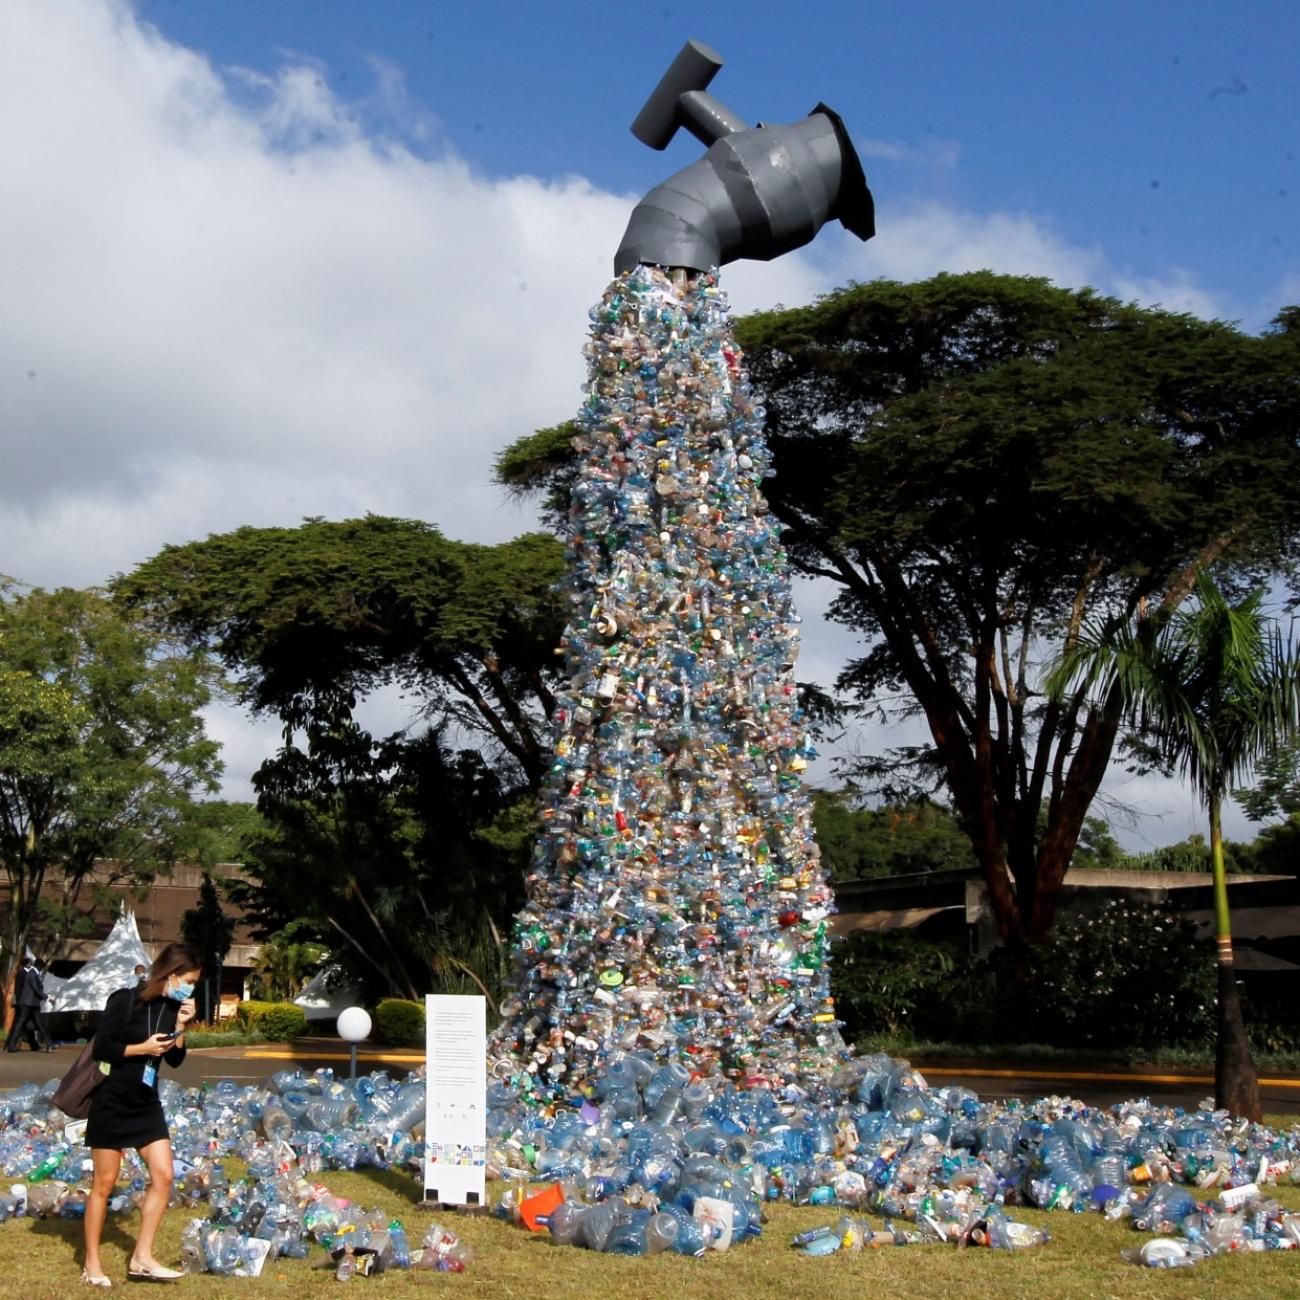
point(936, 1166)
point(676, 899)
point(1242, 1219)
point(872, 1138)
point(286, 1130)
point(264, 1218)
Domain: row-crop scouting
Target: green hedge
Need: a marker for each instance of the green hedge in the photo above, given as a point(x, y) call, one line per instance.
point(1121, 977)
point(400, 1023)
point(277, 1021)
point(222, 1038)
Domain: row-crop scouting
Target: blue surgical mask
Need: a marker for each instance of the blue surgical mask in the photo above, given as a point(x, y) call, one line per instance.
point(181, 992)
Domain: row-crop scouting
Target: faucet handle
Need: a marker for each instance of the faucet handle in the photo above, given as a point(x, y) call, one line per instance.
point(680, 100)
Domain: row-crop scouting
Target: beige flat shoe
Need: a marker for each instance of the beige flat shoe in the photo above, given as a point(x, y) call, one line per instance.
point(137, 1272)
point(95, 1279)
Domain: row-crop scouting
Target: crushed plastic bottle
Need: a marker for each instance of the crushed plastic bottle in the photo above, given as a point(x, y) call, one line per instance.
point(443, 1250)
point(347, 1265)
point(1163, 1252)
point(193, 1255)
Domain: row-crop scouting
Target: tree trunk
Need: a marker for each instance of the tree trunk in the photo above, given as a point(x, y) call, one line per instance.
point(9, 980)
point(1236, 1084)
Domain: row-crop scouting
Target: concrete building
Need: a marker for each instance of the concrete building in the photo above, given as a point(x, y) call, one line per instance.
point(954, 906)
point(158, 909)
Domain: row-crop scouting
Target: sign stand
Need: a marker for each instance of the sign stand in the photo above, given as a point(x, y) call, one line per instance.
point(455, 1127)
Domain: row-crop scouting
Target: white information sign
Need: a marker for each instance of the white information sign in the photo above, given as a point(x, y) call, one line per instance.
point(455, 1128)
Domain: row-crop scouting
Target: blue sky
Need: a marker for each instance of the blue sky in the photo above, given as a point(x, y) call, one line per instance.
point(1166, 134)
point(265, 259)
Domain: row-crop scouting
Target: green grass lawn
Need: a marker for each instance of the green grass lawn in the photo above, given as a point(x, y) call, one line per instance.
point(40, 1259)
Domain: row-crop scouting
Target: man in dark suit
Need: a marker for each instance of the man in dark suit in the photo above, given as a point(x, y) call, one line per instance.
point(29, 994)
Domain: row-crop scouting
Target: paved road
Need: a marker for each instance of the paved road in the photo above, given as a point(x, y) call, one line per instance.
point(1280, 1094)
point(247, 1064)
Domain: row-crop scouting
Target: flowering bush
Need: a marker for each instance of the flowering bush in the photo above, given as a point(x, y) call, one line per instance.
point(1130, 975)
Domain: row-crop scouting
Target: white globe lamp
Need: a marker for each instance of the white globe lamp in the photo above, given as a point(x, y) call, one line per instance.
point(354, 1025)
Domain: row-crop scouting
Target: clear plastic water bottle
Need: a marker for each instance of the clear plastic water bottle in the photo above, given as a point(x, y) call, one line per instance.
point(193, 1259)
point(347, 1266)
point(660, 1233)
point(629, 1236)
point(225, 1252)
point(597, 1223)
point(564, 1221)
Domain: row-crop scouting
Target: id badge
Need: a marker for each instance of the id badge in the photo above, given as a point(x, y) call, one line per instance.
point(150, 1075)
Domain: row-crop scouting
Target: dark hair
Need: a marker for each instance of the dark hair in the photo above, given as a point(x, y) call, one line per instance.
point(173, 959)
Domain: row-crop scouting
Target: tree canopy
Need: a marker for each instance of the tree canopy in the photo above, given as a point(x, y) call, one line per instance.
point(102, 751)
point(979, 463)
point(310, 619)
point(858, 842)
point(400, 855)
point(380, 830)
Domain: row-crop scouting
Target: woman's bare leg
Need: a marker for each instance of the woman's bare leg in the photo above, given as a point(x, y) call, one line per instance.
point(158, 1156)
point(106, 1164)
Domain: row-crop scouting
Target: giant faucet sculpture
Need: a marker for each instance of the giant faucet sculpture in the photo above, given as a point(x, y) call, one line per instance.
point(758, 192)
point(677, 914)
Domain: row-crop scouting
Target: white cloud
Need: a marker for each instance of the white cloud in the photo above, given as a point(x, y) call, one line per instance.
point(923, 237)
point(233, 298)
point(226, 308)
point(1175, 291)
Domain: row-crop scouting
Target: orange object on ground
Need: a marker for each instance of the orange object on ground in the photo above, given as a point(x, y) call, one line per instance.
point(539, 1205)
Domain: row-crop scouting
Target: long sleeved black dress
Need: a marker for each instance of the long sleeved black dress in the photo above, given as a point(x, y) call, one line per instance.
point(124, 1110)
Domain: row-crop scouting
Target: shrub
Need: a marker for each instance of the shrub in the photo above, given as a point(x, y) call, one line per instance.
point(223, 1037)
point(1129, 975)
point(894, 983)
point(400, 1023)
point(277, 1021)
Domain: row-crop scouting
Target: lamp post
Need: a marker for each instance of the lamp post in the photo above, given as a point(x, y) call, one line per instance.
point(354, 1025)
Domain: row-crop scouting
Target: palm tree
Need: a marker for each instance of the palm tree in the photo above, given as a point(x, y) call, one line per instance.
point(289, 958)
point(1213, 688)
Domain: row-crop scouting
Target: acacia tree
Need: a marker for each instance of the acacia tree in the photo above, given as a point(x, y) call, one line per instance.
point(309, 619)
point(979, 463)
point(102, 751)
point(363, 835)
point(1212, 690)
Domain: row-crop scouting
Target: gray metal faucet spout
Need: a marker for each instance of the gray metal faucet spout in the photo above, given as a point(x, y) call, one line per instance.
point(758, 192)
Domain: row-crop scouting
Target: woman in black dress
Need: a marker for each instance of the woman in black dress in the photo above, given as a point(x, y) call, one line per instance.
point(140, 1028)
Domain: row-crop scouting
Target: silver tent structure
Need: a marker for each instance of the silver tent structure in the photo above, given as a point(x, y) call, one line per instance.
point(110, 969)
point(326, 994)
